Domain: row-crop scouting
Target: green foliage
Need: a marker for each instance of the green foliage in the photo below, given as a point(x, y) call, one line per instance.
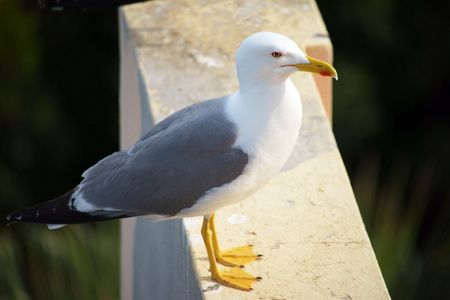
point(391, 121)
point(50, 103)
point(75, 262)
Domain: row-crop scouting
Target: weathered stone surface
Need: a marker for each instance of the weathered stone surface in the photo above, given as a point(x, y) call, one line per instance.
point(305, 222)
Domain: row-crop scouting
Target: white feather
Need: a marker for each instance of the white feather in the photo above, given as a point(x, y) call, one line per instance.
point(268, 114)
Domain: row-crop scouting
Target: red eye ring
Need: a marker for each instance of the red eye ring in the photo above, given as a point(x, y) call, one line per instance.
point(276, 54)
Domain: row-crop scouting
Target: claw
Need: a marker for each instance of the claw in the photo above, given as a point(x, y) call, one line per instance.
point(235, 278)
point(236, 258)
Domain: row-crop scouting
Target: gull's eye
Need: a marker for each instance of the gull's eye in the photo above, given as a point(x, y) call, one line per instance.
point(276, 54)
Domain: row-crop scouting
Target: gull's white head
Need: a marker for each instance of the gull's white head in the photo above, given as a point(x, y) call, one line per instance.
point(270, 58)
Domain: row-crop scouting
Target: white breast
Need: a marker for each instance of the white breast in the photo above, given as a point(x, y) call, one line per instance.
point(268, 126)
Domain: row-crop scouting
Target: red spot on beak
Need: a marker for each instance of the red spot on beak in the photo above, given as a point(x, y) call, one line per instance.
point(325, 73)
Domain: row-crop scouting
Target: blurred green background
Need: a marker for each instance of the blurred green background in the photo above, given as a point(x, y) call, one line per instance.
point(59, 115)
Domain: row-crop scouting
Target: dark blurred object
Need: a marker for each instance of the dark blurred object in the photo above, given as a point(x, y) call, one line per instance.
point(83, 4)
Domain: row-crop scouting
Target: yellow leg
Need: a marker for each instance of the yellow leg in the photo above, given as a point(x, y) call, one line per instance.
point(235, 277)
point(234, 257)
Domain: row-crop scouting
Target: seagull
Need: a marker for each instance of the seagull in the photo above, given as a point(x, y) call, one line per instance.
point(208, 155)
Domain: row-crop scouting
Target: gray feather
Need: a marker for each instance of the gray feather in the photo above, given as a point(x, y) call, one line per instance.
point(171, 166)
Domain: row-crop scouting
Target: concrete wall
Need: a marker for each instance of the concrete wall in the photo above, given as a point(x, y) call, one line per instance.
point(306, 222)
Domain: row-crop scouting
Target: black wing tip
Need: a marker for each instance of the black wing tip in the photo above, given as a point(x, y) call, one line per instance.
point(17, 216)
point(59, 212)
point(41, 213)
point(8, 220)
point(13, 218)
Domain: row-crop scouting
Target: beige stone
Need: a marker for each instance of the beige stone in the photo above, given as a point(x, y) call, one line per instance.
point(305, 222)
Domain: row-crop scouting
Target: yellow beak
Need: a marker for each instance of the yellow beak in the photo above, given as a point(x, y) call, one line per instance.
point(317, 66)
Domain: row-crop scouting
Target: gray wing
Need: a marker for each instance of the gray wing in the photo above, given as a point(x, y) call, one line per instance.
point(171, 166)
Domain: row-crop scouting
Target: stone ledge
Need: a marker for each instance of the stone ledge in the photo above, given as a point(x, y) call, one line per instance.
point(305, 222)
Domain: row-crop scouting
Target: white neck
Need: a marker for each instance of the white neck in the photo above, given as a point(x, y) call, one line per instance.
point(261, 96)
point(264, 111)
